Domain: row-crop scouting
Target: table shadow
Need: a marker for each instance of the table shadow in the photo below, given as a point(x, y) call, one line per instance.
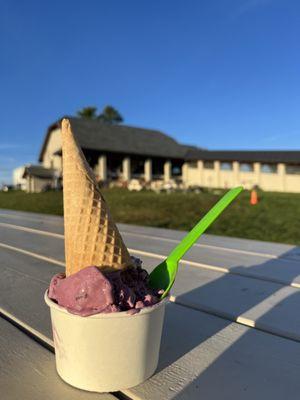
point(254, 363)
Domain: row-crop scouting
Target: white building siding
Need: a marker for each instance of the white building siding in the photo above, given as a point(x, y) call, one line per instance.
point(206, 174)
point(292, 183)
point(279, 181)
point(50, 160)
point(18, 180)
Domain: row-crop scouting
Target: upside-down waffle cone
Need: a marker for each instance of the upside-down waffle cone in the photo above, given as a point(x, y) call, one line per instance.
point(91, 236)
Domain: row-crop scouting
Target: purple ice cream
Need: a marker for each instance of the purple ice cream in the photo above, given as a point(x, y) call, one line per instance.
point(91, 291)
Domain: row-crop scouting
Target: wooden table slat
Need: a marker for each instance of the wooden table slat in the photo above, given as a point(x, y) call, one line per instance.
point(27, 370)
point(285, 271)
point(209, 357)
point(203, 356)
point(267, 305)
point(56, 224)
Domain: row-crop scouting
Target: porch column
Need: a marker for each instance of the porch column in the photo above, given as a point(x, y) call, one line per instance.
point(102, 167)
point(217, 173)
point(126, 169)
point(184, 173)
point(281, 173)
point(200, 169)
point(148, 170)
point(167, 171)
point(235, 171)
point(256, 168)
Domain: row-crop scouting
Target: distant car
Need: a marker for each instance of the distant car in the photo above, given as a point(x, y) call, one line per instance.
point(117, 184)
point(135, 185)
point(170, 186)
point(6, 188)
point(195, 189)
point(47, 187)
point(157, 185)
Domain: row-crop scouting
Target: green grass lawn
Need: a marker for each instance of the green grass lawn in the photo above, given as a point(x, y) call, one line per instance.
point(275, 218)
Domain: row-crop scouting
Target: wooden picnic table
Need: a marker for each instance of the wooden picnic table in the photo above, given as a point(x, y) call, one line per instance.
point(232, 328)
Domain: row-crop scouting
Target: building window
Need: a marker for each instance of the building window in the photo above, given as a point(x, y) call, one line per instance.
point(226, 166)
point(176, 171)
point(193, 164)
point(268, 168)
point(246, 167)
point(292, 169)
point(208, 164)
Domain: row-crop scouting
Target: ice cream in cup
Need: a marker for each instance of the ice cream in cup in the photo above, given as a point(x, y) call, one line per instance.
point(106, 320)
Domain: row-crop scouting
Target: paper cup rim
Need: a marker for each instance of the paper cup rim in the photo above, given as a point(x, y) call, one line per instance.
point(119, 314)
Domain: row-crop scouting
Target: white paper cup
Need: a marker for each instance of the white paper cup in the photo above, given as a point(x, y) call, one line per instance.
point(106, 352)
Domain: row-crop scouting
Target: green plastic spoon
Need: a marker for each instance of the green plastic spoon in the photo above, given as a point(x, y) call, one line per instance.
point(163, 276)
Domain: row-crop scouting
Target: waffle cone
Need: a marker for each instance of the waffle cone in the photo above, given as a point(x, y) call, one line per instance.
point(91, 236)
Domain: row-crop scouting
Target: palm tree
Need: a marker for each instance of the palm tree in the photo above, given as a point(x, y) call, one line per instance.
point(87, 112)
point(110, 116)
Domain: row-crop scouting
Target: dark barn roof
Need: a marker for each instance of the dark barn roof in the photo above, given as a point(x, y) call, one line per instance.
point(39, 172)
point(94, 135)
point(288, 156)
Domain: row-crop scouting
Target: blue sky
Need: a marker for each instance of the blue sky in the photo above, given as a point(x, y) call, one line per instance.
point(220, 74)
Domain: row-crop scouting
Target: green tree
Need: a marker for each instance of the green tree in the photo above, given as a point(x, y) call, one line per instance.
point(88, 112)
point(110, 116)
